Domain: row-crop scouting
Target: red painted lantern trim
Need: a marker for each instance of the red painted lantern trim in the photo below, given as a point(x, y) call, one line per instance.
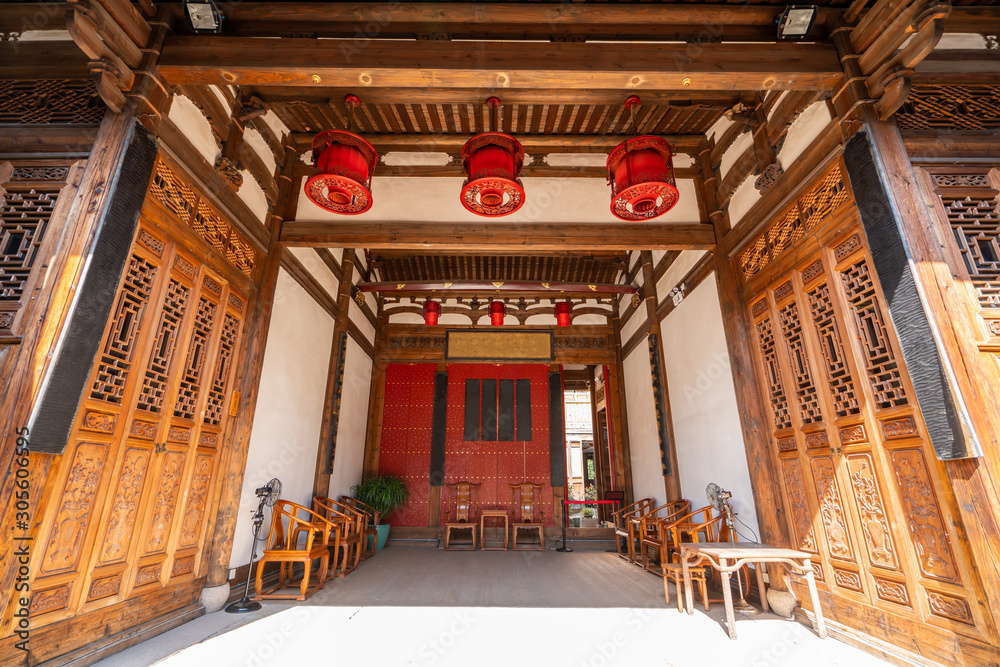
point(492, 181)
point(657, 188)
point(356, 187)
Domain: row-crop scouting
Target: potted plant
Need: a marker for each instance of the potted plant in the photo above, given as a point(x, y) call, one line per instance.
point(588, 520)
point(384, 493)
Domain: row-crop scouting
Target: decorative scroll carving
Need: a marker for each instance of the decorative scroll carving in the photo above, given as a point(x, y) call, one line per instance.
point(812, 271)
point(899, 428)
point(779, 402)
point(123, 510)
point(45, 101)
point(580, 343)
point(154, 383)
point(148, 574)
point(177, 434)
point(805, 388)
point(847, 579)
point(831, 509)
point(51, 599)
point(961, 180)
point(975, 220)
point(184, 266)
point(850, 435)
point(786, 445)
point(115, 361)
point(182, 566)
point(814, 206)
point(847, 247)
point(768, 177)
point(782, 291)
point(99, 421)
point(166, 500)
point(39, 174)
point(212, 286)
point(102, 588)
point(180, 199)
point(880, 360)
point(417, 342)
point(800, 511)
point(150, 242)
point(871, 511)
point(223, 363)
point(923, 516)
point(236, 303)
point(197, 498)
point(75, 508)
point(759, 308)
point(838, 374)
point(143, 430)
point(949, 607)
point(817, 440)
point(190, 384)
point(951, 107)
point(818, 571)
point(994, 326)
point(208, 439)
point(892, 591)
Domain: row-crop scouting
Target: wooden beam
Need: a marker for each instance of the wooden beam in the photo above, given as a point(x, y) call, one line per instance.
point(959, 66)
point(940, 144)
point(487, 65)
point(43, 60)
point(498, 236)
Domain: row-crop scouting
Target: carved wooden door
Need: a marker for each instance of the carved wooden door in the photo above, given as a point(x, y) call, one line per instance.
point(863, 489)
point(137, 475)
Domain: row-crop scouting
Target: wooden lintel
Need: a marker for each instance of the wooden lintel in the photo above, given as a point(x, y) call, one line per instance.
point(937, 144)
point(489, 64)
point(553, 289)
point(497, 236)
point(43, 60)
point(959, 66)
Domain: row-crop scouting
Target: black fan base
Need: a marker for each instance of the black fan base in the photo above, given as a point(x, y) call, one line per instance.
point(242, 606)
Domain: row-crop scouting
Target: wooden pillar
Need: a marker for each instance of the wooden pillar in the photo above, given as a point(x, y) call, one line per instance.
point(754, 419)
point(327, 432)
point(615, 412)
point(671, 482)
point(600, 464)
point(234, 456)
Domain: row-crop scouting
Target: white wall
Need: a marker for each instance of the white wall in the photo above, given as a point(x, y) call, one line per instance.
point(706, 421)
point(644, 444)
point(286, 426)
point(353, 422)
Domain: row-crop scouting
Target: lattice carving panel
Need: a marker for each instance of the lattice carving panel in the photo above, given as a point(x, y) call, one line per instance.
point(951, 107)
point(223, 365)
point(975, 221)
point(880, 361)
point(799, 218)
point(24, 217)
point(838, 375)
point(46, 101)
point(181, 199)
point(805, 388)
point(779, 400)
point(115, 361)
point(190, 384)
point(154, 384)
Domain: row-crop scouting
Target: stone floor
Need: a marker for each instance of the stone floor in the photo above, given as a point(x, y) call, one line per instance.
point(423, 606)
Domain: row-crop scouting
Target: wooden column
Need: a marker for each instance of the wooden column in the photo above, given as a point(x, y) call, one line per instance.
point(234, 456)
point(615, 411)
point(321, 484)
point(600, 463)
point(671, 482)
point(754, 420)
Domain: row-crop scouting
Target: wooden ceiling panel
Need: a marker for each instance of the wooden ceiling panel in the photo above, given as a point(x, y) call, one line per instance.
point(583, 268)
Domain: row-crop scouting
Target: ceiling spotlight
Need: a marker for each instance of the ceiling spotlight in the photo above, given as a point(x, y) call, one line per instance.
point(796, 21)
point(203, 15)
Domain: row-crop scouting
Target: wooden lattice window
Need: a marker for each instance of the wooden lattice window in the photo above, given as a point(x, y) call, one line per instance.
point(805, 388)
point(838, 375)
point(154, 384)
point(223, 366)
point(779, 400)
point(45, 101)
point(951, 107)
point(187, 395)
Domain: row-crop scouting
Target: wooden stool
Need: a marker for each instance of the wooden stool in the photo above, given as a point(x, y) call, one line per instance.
point(493, 514)
point(674, 572)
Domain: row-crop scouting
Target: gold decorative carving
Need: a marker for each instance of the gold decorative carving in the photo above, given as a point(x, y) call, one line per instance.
point(949, 607)
point(99, 421)
point(75, 508)
point(899, 428)
point(51, 599)
point(850, 435)
point(800, 511)
point(635, 299)
point(143, 430)
point(359, 298)
point(831, 509)
point(892, 591)
point(148, 574)
point(123, 509)
point(871, 511)
point(166, 501)
point(102, 588)
point(923, 516)
point(197, 498)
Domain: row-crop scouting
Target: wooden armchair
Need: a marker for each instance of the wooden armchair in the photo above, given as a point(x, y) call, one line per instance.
point(654, 533)
point(526, 498)
point(369, 533)
point(290, 522)
point(462, 513)
point(347, 548)
point(624, 528)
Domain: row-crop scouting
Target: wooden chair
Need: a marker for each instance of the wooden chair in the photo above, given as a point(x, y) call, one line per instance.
point(369, 533)
point(290, 522)
point(653, 533)
point(347, 548)
point(462, 513)
point(526, 498)
point(625, 529)
point(673, 571)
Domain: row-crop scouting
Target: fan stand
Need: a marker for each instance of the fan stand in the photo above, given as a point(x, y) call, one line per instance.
point(246, 604)
point(740, 606)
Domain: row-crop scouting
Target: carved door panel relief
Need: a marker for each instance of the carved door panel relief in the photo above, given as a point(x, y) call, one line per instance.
point(141, 463)
point(863, 493)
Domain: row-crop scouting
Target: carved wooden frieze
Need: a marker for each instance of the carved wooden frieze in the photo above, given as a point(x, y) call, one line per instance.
point(48, 101)
point(831, 509)
point(197, 500)
point(950, 607)
point(892, 591)
point(182, 566)
point(148, 574)
point(208, 439)
point(76, 505)
point(893, 429)
point(812, 271)
point(143, 430)
point(150, 242)
point(50, 599)
point(165, 502)
point(994, 327)
point(796, 490)
point(124, 506)
point(817, 440)
point(411, 342)
point(847, 579)
point(98, 421)
point(46, 173)
point(786, 445)
point(104, 587)
point(581, 343)
point(850, 435)
point(924, 519)
point(871, 511)
point(946, 106)
point(184, 266)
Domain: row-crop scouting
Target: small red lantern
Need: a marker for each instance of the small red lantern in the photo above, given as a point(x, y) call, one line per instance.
point(432, 309)
point(641, 175)
point(497, 312)
point(564, 313)
point(492, 163)
point(343, 167)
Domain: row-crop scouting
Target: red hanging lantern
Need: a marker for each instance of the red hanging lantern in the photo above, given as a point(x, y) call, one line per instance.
point(343, 167)
point(641, 175)
point(564, 313)
point(432, 310)
point(497, 312)
point(492, 163)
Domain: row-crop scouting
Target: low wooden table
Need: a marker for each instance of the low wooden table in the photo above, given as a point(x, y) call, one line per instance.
point(493, 514)
point(727, 557)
